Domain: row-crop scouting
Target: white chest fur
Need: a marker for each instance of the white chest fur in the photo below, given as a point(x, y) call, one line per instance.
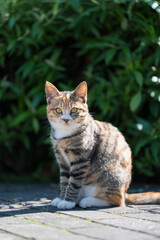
point(64, 130)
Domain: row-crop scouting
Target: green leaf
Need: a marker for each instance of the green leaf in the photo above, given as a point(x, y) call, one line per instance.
point(141, 143)
point(20, 118)
point(147, 172)
point(146, 124)
point(56, 8)
point(26, 141)
point(29, 104)
point(139, 78)
point(11, 46)
point(12, 22)
point(41, 111)
point(110, 55)
point(135, 101)
point(35, 124)
point(95, 2)
point(26, 68)
point(76, 4)
point(155, 148)
point(154, 108)
point(50, 63)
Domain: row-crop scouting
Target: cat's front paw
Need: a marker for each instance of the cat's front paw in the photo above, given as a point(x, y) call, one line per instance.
point(63, 204)
point(86, 202)
point(56, 201)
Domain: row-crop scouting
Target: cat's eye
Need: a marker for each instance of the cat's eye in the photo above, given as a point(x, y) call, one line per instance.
point(74, 110)
point(58, 110)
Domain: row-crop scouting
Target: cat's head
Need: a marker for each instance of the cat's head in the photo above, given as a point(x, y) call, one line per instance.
point(66, 110)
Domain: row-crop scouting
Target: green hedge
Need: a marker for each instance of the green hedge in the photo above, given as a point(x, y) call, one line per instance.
point(113, 45)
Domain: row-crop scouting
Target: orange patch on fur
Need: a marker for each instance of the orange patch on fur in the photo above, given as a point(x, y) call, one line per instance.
point(143, 198)
point(115, 198)
point(124, 164)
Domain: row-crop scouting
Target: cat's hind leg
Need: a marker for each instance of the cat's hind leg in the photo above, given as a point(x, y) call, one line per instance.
point(93, 202)
point(116, 197)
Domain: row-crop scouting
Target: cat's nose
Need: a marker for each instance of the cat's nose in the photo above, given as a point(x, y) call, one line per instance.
point(66, 120)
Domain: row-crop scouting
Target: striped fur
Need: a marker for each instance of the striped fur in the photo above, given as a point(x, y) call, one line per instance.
point(94, 159)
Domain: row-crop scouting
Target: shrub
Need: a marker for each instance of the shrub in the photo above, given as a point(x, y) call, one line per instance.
point(113, 45)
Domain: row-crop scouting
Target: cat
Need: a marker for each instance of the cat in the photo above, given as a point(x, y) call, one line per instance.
point(94, 159)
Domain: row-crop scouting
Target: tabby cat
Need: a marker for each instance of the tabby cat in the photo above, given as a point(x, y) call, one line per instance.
point(94, 159)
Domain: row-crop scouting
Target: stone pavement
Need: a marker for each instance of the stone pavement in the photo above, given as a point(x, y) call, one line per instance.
point(25, 213)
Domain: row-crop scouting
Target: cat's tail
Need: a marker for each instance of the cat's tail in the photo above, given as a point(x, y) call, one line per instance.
point(143, 198)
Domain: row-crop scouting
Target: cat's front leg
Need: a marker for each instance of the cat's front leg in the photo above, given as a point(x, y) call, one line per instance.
point(71, 194)
point(76, 179)
point(64, 177)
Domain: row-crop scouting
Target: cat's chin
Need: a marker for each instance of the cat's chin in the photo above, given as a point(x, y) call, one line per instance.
point(67, 124)
point(62, 130)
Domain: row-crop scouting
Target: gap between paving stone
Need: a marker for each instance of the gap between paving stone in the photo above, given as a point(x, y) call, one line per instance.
point(133, 217)
point(153, 211)
point(141, 211)
point(48, 225)
point(110, 225)
point(79, 233)
point(15, 235)
point(94, 221)
point(148, 210)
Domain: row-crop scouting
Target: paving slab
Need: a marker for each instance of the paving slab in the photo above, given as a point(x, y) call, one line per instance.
point(10, 236)
point(26, 213)
point(148, 216)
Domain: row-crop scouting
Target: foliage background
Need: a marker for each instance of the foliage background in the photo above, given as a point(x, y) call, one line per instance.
point(113, 45)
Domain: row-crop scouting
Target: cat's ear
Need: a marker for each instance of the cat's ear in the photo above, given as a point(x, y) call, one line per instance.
point(51, 91)
point(81, 91)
